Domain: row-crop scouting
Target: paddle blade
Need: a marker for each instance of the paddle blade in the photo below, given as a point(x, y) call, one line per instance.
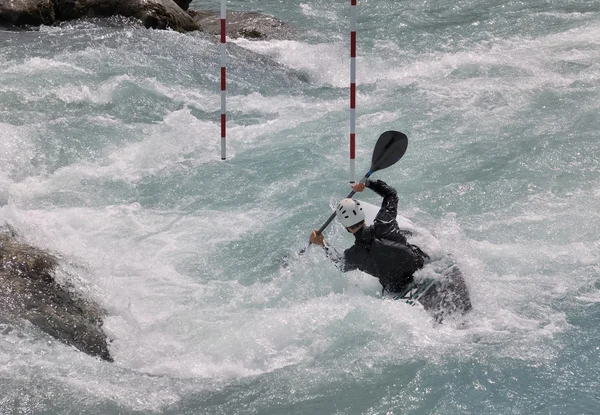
point(390, 148)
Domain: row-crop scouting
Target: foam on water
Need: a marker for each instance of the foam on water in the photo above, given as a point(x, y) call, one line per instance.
point(329, 69)
point(184, 250)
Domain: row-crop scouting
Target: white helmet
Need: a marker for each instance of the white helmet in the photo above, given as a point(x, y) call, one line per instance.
point(349, 212)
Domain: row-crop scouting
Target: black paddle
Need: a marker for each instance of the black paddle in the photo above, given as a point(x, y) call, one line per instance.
point(390, 148)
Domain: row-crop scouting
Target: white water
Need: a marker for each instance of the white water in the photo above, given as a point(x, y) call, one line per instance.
point(110, 158)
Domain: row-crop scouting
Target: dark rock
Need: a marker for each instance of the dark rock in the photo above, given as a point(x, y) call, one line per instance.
point(30, 292)
point(184, 4)
point(26, 12)
point(156, 14)
point(76, 9)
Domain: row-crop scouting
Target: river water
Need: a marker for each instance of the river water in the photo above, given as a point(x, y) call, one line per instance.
point(110, 157)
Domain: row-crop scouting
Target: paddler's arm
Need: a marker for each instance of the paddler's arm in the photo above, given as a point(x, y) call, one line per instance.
point(389, 204)
point(338, 259)
point(389, 207)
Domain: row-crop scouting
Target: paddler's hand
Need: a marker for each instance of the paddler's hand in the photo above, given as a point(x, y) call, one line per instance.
point(317, 238)
point(358, 187)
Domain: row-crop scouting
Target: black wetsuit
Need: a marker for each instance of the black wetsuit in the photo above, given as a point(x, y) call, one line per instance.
point(381, 249)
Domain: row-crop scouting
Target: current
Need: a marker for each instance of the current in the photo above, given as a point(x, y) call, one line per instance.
point(110, 157)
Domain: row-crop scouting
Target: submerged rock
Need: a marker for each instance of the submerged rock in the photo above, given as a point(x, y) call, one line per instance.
point(242, 24)
point(30, 292)
point(156, 14)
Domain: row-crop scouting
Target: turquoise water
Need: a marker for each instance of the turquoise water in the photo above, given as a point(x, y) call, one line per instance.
point(110, 156)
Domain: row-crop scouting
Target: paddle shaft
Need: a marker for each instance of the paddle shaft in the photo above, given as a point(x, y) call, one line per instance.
point(390, 147)
point(326, 224)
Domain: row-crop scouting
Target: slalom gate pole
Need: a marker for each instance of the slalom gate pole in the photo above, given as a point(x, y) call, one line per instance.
point(223, 48)
point(352, 89)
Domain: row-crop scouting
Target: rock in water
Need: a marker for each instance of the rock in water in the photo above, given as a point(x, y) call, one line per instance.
point(242, 24)
point(26, 12)
point(156, 14)
point(30, 292)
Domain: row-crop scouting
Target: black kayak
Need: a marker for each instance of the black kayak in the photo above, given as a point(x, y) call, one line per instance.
point(444, 294)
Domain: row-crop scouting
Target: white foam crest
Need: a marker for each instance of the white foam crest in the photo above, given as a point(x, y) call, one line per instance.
point(272, 338)
point(102, 94)
point(87, 232)
point(327, 63)
point(585, 37)
point(290, 113)
point(36, 65)
point(63, 370)
point(180, 138)
point(282, 104)
point(179, 134)
point(63, 180)
point(321, 13)
point(378, 117)
point(528, 63)
point(16, 152)
point(525, 217)
point(539, 256)
point(296, 332)
point(194, 97)
point(244, 104)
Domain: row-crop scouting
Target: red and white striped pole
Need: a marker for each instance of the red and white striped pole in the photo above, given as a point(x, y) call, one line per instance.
point(352, 88)
point(223, 48)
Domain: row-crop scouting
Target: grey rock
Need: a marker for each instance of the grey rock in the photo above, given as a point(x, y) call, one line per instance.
point(249, 25)
point(156, 14)
point(29, 292)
